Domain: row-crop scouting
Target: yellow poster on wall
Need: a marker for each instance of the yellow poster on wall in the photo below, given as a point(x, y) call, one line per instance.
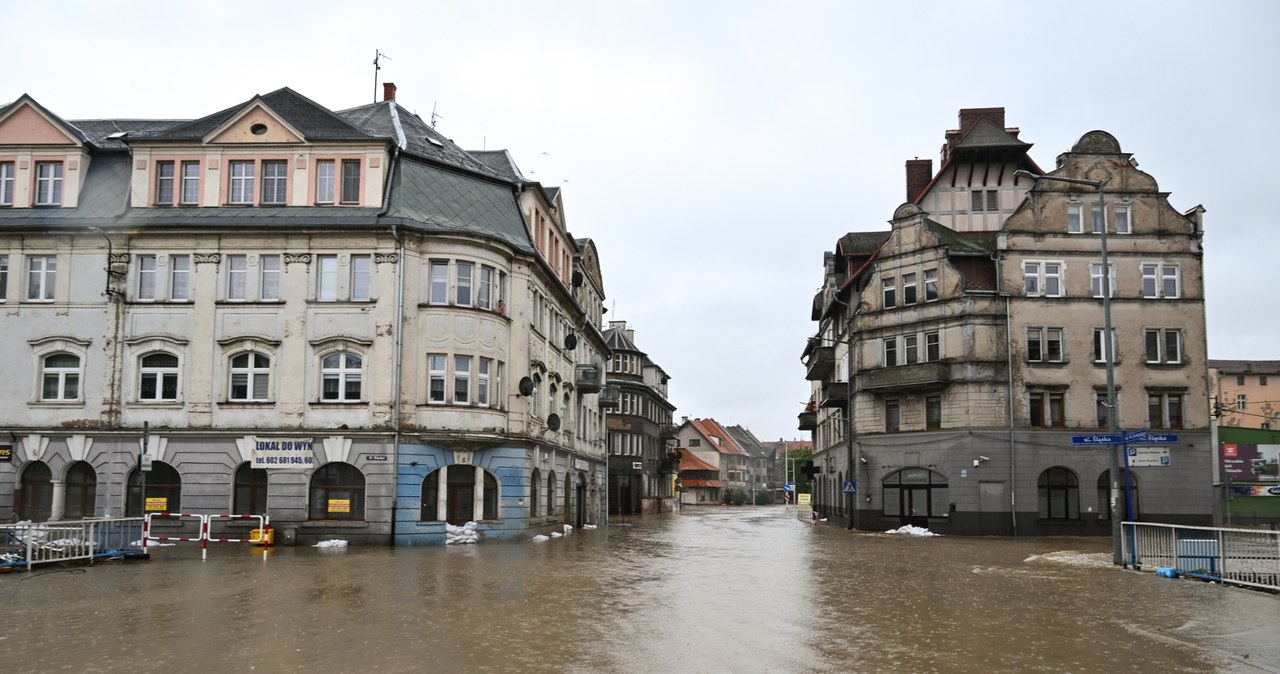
point(339, 505)
point(157, 505)
point(802, 499)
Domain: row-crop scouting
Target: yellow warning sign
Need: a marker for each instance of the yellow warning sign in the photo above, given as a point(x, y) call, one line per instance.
point(157, 505)
point(802, 499)
point(339, 505)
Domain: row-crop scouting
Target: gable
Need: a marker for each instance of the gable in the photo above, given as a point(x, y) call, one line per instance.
point(256, 124)
point(23, 124)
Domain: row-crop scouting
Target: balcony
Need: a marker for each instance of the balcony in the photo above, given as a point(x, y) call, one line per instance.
point(835, 394)
point(808, 421)
point(820, 364)
point(588, 377)
point(609, 395)
point(906, 378)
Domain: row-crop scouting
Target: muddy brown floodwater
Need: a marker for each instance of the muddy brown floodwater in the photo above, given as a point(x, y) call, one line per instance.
point(750, 589)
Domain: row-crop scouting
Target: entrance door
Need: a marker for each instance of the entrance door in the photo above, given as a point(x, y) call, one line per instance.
point(624, 495)
point(915, 507)
point(580, 499)
point(993, 517)
point(460, 502)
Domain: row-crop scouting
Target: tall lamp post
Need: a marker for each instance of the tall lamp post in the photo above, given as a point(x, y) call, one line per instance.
point(1107, 348)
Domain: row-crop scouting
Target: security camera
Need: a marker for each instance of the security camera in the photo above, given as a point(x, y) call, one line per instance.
point(976, 463)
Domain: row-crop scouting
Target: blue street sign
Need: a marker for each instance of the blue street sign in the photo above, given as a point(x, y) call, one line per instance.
point(788, 487)
point(1098, 439)
point(1136, 435)
point(1157, 437)
point(850, 487)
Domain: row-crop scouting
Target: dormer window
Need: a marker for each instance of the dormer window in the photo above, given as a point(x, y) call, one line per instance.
point(241, 187)
point(49, 183)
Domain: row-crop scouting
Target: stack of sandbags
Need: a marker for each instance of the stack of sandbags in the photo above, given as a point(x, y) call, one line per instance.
point(464, 534)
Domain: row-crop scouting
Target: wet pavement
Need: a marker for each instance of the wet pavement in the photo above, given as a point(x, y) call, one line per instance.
point(749, 589)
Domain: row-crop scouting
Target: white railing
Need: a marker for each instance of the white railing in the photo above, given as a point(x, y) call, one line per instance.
point(1249, 557)
point(26, 544)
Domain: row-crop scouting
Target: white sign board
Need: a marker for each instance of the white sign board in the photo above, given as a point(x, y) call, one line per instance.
point(278, 453)
point(1148, 456)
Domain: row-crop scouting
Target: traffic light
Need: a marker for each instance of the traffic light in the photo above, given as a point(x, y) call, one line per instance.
point(1217, 408)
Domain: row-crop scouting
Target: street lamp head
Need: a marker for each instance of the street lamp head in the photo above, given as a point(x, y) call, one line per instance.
point(1023, 173)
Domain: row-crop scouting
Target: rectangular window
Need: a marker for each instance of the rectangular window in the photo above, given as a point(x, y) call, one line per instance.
point(892, 415)
point(275, 182)
point(462, 380)
point(932, 346)
point(327, 277)
point(1074, 220)
point(436, 364)
point(179, 277)
point(269, 277)
point(1102, 409)
point(6, 183)
point(1240, 380)
point(42, 276)
point(930, 285)
point(146, 277)
point(1047, 409)
point(1097, 218)
point(1042, 279)
point(325, 181)
point(241, 185)
point(361, 278)
point(932, 413)
point(49, 183)
point(908, 288)
point(984, 200)
point(1262, 379)
point(190, 183)
point(1160, 280)
point(164, 182)
point(350, 181)
point(237, 274)
point(1242, 401)
point(484, 291)
point(1164, 410)
point(1098, 346)
point(1163, 345)
point(1044, 345)
point(485, 365)
point(911, 347)
point(890, 351)
point(890, 294)
point(439, 283)
point(4, 277)
point(1121, 214)
point(1095, 278)
point(463, 270)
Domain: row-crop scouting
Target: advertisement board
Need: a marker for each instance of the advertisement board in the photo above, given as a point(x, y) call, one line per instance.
point(1250, 463)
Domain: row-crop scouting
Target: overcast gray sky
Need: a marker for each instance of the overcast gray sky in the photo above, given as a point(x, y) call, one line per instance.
point(714, 150)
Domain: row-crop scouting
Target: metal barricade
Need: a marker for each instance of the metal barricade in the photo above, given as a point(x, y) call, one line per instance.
point(205, 535)
point(1249, 557)
point(26, 544)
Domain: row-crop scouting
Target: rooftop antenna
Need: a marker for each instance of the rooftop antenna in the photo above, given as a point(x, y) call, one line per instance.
point(377, 55)
point(434, 115)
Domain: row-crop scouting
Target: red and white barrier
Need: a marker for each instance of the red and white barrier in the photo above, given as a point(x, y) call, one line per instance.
point(205, 535)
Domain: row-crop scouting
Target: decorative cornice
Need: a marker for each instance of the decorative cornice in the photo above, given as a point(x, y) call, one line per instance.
point(297, 258)
point(119, 258)
point(384, 258)
point(207, 258)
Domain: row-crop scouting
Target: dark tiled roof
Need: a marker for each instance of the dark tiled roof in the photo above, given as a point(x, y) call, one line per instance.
point(312, 120)
point(435, 199)
point(234, 217)
point(616, 340)
point(105, 196)
point(861, 243)
point(973, 243)
point(388, 119)
point(501, 162)
point(985, 134)
point(1245, 366)
point(99, 131)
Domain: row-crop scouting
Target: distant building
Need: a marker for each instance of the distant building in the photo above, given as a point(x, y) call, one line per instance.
point(1246, 393)
point(642, 462)
point(712, 445)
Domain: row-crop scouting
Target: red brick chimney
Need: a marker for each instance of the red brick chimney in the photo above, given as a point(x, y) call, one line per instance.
point(388, 91)
point(919, 173)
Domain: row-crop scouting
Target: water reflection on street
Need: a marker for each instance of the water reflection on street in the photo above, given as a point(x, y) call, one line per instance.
point(711, 590)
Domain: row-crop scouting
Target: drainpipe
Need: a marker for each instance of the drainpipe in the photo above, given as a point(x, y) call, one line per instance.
point(398, 339)
point(1013, 457)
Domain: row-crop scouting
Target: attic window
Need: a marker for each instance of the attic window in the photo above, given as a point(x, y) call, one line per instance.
point(117, 135)
point(258, 129)
point(434, 142)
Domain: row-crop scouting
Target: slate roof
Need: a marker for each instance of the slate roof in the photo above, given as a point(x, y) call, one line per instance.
point(499, 161)
point(312, 120)
point(1245, 366)
point(104, 197)
point(431, 198)
point(861, 243)
point(986, 134)
point(388, 119)
point(616, 339)
point(747, 441)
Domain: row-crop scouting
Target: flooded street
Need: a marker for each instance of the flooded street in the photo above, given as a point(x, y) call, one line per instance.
point(711, 590)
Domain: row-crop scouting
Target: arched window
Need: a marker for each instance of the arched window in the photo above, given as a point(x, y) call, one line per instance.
point(250, 495)
point(534, 401)
point(158, 377)
point(82, 491)
point(163, 494)
point(35, 503)
point(1059, 494)
point(551, 400)
point(551, 494)
point(535, 486)
point(460, 489)
point(915, 492)
point(567, 421)
point(337, 493)
point(1104, 496)
point(60, 377)
point(340, 377)
point(250, 377)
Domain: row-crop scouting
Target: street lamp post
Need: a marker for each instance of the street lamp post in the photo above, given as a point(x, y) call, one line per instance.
point(1107, 353)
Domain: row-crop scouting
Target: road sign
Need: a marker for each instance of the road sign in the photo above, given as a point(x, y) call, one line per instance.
point(1157, 437)
point(1148, 456)
point(789, 487)
point(1098, 439)
point(850, 487)
point(1130, 436)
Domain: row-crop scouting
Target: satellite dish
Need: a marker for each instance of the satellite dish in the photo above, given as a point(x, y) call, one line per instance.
point(571, 341)
point(526, 386)
point(576, 279)
point(553, 421)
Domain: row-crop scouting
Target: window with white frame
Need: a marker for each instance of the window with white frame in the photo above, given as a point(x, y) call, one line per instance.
point(1102, 410)
point(240, 187)
point(237, 277)
point(190, 195)
point(361, 278)
point(484, 372)
point(1044, 344)
point(158, 377)
point(275, 182)
point(60, 376)
point(49, 183)
point(42, 277)
point(1074, 219)
point(146, 277)
point(484, 288)
point(932, 346)
point(326, 278)
point(1163, 345)
point(930, 285)
point(890, 352)
point(911, 348)
point(250, 379)
point(179, 277)
point(1165, 408)
point(1042, 278)
point(439, 279)
point(165, 180)
point(890, 293)
point(269, 277)
point(1097, 217)
point(4, 277)
point(1160, 280)
point(437, 370)
point(1121, 214)
point(908, 288)
point(1095, 278)
point(1098, 345)
point(326, 180)
point(462, 380)
point(1242, 401)
point(6, 183)
point(340, 377)
point(463, 271)
point(350, 181)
